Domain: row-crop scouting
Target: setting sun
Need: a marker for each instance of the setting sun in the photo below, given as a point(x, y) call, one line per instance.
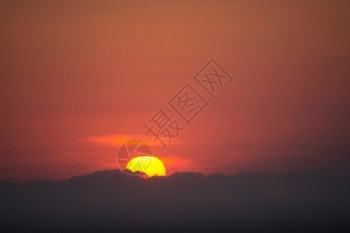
point(150, 165)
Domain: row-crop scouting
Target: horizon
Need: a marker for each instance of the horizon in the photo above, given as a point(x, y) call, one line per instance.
point(127, 173)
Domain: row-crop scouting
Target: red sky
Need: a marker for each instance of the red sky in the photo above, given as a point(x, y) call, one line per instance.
point(74, 71)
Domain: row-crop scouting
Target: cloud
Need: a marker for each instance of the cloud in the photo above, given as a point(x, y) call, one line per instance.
point(120, 139)
point(110, 201)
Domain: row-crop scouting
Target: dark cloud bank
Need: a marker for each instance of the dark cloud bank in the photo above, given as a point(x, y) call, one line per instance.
point(109, 201)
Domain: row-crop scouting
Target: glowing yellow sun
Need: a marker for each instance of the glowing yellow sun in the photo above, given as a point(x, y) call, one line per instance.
point(150, 165)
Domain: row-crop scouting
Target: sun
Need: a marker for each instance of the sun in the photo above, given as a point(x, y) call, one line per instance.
point(150, 165)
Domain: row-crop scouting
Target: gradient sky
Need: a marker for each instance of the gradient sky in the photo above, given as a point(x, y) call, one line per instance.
point(77, 77)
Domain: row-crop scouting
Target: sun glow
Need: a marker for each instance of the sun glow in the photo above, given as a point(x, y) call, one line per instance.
point(150, 165)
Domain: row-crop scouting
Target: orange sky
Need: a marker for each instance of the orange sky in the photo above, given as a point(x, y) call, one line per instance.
point(74, 71)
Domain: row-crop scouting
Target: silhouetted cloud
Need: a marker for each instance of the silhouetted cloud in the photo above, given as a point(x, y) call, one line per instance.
point(112, 201)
